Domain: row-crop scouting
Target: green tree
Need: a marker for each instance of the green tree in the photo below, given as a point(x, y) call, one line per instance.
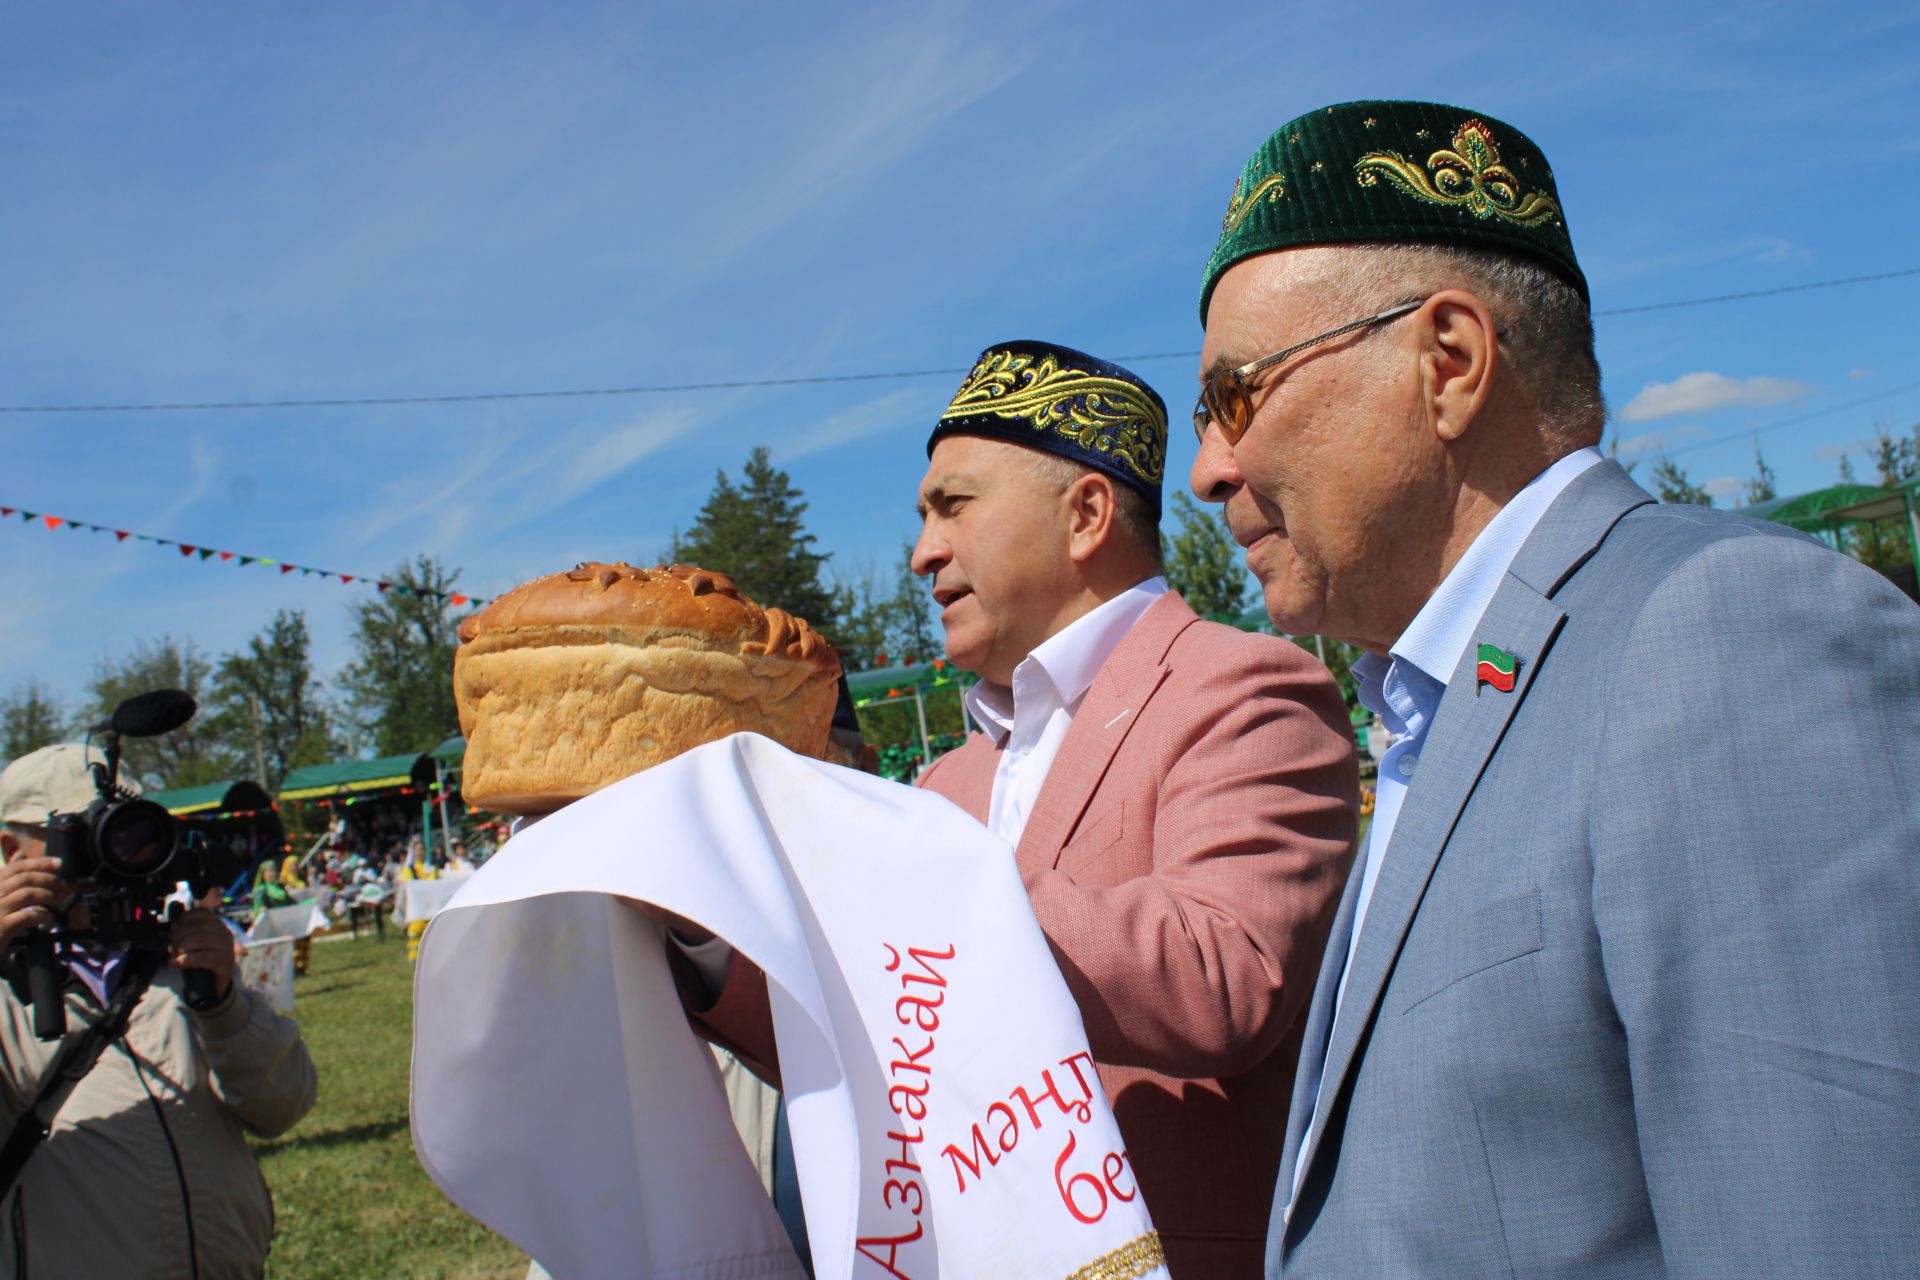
point(1897, 460)
point(1671, 484)
point(400, 683)
point(1763, 487)
point(910, 627)
point(30, 719)
point(268, 690)
point(1204, 563)
point(1846, 470)
point(865, 610)
point(754, 533)
point(192, 755)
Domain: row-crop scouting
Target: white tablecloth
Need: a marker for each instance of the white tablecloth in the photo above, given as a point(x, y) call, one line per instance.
point(945, 1114)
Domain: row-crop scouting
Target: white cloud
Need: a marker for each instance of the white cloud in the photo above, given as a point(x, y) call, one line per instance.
point(1658, 439)
point(1707, 392)
point(1832, 451)
point(1859, 373)
point(1724, 486)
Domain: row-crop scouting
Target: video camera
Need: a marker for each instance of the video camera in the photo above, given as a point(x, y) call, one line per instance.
point(127, 855)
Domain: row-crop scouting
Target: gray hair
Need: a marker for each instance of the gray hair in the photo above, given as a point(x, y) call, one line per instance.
point(1544, 323)
point(1133, 516)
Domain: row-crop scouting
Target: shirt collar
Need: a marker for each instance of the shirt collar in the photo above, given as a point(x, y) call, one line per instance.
point(1062, 667)
point(1441, 631)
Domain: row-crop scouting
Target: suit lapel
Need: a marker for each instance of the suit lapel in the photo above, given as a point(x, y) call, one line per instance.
point(1313, 1041)
point(1523, 620)
point(1107, 714)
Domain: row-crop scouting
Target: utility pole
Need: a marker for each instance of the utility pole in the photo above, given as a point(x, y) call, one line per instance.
point(259, 756)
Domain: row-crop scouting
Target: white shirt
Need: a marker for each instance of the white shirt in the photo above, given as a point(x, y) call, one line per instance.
point(1030, 720)
point(1404, 689)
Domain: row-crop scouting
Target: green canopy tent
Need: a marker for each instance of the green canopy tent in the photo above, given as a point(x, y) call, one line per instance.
point(1825, 512)
point(381, 782)
point(910, 682)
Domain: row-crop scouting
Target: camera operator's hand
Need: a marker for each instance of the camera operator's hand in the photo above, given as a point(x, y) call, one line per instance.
point(201, 940)
point(30, 895)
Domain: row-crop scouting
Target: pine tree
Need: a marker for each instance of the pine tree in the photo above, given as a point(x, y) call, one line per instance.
point(401, 682)
point(1670, 482)
point(1762, 488)
point(29, 720)
point(754, 533)
point(910, 624)
point(268, 689)
point(1203, 562)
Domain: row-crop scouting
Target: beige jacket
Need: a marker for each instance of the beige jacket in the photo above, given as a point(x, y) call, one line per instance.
point(103, 1195)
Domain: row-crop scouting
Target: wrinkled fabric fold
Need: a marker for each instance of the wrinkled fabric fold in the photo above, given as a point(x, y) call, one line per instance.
point(946, 1117)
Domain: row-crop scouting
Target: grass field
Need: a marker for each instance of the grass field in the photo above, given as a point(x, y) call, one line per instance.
point(352, 1202)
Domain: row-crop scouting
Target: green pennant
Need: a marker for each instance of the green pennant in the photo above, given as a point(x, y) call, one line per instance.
point(206, 553)
point(29, 516)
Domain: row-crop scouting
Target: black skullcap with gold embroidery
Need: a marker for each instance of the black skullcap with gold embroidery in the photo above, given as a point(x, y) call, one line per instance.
point(1065, 402)
point(1395, 172)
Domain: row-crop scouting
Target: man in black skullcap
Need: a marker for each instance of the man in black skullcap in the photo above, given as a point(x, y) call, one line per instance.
point(1180, 796)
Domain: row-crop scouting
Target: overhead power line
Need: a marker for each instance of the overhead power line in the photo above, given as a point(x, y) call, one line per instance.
point(812, 380)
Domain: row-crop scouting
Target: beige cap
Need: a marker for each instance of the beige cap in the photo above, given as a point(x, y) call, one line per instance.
point(51, 780)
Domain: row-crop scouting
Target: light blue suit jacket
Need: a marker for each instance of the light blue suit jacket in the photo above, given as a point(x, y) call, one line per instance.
point(1638, 992)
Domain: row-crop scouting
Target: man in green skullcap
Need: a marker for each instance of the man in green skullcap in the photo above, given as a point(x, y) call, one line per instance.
point(1605, 995)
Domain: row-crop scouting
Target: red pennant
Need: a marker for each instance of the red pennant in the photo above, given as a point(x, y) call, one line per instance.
point(7, 511)
point(186, 550)
point(53, 522)
point(287, 568)
point(458, 599)
point(346, 577)
point(383, 585)
point(120, 535)
point(226, 555)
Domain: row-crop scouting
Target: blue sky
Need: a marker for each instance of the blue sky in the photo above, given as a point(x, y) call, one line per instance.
point(237, 202)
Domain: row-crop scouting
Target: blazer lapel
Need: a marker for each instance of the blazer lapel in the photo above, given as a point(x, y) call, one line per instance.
point(1523, 620)
point(1313, 1040)
point(1107, 714)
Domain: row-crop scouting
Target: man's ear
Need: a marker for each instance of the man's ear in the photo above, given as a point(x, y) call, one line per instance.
point(1090, 511)
point(1457, 369)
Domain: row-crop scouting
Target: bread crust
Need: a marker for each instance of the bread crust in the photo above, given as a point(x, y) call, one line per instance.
point(573, 681)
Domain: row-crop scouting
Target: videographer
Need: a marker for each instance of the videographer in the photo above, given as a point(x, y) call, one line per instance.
point(146, 1171)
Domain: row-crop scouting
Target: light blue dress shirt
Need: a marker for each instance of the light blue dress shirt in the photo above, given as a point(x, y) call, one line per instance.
point(1404, 689)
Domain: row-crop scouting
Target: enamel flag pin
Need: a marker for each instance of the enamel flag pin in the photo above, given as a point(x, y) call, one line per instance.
point(1495, 666)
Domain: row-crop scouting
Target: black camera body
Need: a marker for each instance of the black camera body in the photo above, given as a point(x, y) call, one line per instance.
point(127, 855)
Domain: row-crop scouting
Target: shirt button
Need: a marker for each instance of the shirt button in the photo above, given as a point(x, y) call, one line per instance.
point(1406, 765)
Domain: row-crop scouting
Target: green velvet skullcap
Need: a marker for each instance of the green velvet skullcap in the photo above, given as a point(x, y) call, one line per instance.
point(1395, 173)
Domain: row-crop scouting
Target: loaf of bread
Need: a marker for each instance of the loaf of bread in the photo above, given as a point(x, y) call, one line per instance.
point(576, 680)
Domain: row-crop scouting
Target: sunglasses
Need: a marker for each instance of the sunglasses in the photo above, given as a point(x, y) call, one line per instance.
point(1226, 401)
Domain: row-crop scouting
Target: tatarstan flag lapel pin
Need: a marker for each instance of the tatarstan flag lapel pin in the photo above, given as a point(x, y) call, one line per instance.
point(1495, 666)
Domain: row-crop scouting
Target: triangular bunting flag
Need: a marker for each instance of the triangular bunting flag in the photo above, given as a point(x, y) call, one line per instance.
point(383, 585)
point(7, 511)
point(226, 555)
point(286, 568)
point(53, 522)
point(458, 599)
point(246, 560)
point(206, 553)
point(346, 577)
point(185, 550)
point(29, 516)
point(120, 535)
